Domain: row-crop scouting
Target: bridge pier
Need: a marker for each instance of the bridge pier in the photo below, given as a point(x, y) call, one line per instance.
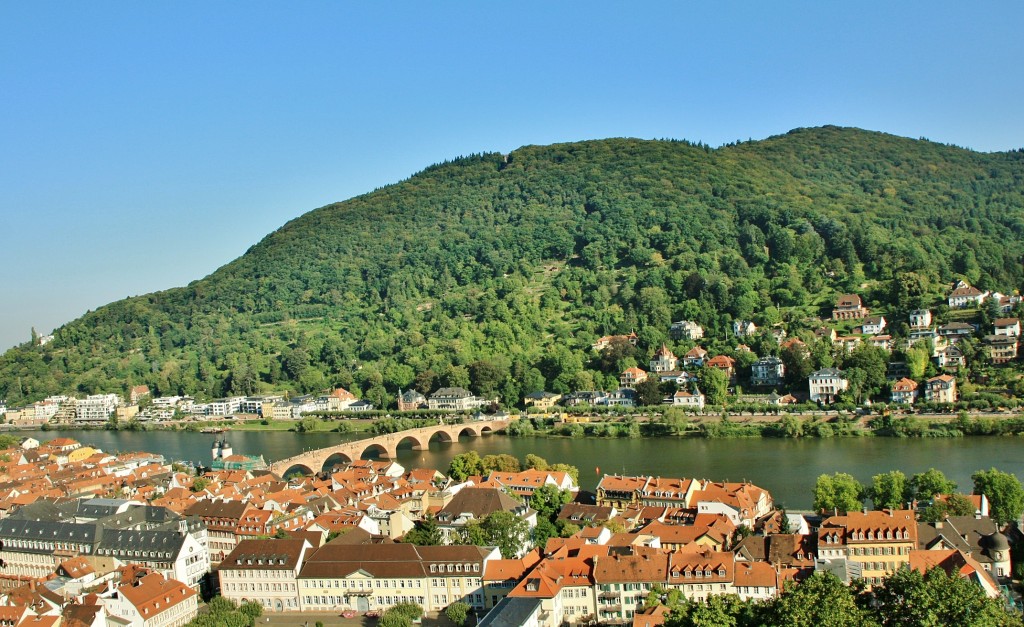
point(386, 447)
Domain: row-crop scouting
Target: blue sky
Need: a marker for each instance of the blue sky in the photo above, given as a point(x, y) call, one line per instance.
point(145, 144)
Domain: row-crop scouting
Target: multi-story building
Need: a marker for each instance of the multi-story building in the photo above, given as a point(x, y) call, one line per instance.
point(624, 581)
point(964, 295)
point(920, 319)
point(265, 571)
point(694, 358)
point(872, 325)
point(849, 307)
point(151, 600)
point(940, 389)
point(880, 541)
point(767, 371)
point(474, 504)
point(411, 400)
point(688, 400)
point(95, 408)
point(904, 391)
point(222, 519)
point(1006, 326)
point(686, 330)
point(454, 399)
point(1002, 348)
point(664, 360)
point(743, 328)
point(950, 357)
point(630, 377)
point(826, 384)
point(169, 545)
point(363, 577)
point(724, 363)
point(542, 399)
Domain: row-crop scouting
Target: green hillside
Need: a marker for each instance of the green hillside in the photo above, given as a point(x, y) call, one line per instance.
point(497, 272)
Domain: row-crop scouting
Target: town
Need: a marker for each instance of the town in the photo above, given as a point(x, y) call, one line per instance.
point(927, 362)
point(131, 539)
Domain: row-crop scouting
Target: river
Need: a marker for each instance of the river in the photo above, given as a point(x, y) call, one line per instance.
point(787, 468)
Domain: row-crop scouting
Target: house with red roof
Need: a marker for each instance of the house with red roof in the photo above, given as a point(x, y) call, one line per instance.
point(150, 600)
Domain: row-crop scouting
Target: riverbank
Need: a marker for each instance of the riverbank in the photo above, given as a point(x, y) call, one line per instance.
point(786, 466)
point(652, 424)
point(759, 425)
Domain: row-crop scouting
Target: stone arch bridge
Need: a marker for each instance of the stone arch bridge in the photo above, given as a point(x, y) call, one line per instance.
point(385, 446)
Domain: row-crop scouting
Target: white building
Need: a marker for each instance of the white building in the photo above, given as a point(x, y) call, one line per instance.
point(664, 360)
point(454, 399)
point(151, 601)
point(1006, 326)
point(920, 318)
point(96, 407)
point(686, 330)
point(826, 384)
point(682, 398)
point(743, 328)
point(964, 295)
point(873, 325)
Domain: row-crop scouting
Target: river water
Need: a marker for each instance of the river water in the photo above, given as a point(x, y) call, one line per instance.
point(787, 468)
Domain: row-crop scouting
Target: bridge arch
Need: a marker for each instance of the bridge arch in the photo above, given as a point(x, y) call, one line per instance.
point(335, 459)
point(441, 435)
point(375, 449)
point(418, 443)
point(298, 469)
point(469, 430)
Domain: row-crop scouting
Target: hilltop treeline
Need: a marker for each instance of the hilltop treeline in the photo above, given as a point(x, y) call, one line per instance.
point(496, 272)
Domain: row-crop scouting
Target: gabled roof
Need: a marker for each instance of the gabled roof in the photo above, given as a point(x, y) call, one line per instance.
point(153, 595)
point(664, 352)
point(904, 385)
point(268, 554)
point(479, 502)
point(336, 560)
point(965, 290)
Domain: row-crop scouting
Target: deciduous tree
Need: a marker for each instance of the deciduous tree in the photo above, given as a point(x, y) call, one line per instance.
point(839, 491)
point(1004, 491)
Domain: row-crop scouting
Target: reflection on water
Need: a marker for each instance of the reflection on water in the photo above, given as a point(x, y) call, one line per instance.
point(787, 468)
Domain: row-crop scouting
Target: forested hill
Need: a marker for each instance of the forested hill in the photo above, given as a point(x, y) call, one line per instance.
point(497, 272)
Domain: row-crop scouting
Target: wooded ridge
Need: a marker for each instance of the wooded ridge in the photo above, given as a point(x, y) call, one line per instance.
point(497, 272)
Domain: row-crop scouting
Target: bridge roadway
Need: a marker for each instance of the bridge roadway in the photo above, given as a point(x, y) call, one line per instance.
point(383, 445)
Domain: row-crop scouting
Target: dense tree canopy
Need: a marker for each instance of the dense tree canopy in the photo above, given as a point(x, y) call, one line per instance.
point(839, 491)
point(1004, 491)
point(496, 272)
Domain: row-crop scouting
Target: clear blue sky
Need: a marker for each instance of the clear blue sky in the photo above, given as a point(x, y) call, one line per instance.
point(145, 144)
